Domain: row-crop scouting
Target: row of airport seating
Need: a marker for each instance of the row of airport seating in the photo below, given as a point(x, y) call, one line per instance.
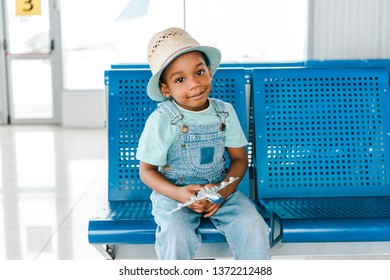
point(319, 147)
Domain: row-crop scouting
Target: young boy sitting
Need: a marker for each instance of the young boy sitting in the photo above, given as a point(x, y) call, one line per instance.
point(182, 148)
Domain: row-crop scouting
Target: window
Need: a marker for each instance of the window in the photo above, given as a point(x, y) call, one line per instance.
point(251, 30)
point(99, 33)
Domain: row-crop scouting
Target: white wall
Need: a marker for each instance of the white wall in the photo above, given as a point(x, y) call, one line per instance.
point(83, 109)
point(3, 90)
point(349, 29)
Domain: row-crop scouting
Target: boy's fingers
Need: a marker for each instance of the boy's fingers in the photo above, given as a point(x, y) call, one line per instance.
point(195, 188)
point(211, 210)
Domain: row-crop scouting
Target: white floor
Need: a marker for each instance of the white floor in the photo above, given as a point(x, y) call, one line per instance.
point(53, 180)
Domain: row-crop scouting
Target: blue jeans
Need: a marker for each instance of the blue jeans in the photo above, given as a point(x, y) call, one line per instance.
point(177, 236)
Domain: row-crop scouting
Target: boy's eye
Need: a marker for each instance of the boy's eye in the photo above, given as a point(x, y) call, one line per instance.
point(200, 72)
point(179, 80)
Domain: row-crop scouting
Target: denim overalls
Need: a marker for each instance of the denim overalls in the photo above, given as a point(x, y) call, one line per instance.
point(197, 157)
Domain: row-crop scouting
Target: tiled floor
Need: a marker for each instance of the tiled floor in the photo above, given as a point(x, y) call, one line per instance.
point(53, 180)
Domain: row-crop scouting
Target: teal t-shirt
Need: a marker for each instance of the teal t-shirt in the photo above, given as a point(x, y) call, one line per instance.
point(159, 134)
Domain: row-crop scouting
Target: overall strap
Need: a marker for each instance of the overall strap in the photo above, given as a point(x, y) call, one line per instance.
point(220, 107)
point(171, 111)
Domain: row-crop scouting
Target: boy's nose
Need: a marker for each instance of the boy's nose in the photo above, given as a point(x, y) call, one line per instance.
point(193, 82)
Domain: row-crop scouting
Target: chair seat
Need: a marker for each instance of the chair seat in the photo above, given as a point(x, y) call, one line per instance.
point(332, 219)
point(131, 222)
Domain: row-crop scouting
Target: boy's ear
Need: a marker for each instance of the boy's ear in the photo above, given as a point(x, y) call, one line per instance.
point(165, 90)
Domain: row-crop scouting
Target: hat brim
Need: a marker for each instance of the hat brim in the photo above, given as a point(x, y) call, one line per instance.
point(153, 87)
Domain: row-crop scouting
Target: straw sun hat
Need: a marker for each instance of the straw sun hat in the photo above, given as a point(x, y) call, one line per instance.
point(167, 45)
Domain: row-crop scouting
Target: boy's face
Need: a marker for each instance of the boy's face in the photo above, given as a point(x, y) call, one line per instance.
point(187, 79)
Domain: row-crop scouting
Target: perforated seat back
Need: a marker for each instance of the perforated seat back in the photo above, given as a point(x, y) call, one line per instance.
point(128, 109)
point(321, 132)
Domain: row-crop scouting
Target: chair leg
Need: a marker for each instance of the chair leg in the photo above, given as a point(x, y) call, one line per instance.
point(276, 228)
point(108, 251)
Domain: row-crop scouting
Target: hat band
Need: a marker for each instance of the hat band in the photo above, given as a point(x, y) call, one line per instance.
point(173, 54)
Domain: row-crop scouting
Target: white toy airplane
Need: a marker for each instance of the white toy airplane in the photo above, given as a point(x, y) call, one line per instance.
point(210, 194)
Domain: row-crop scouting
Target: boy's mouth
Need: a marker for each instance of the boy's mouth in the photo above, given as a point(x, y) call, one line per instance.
point(200, 94)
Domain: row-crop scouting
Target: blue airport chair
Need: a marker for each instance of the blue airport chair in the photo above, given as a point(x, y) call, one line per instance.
point(322, 147)
point(126, 218)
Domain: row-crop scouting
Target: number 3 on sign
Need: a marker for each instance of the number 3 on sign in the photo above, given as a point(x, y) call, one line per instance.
point(28, 7)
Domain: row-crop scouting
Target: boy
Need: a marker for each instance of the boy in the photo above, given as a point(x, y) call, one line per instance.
point(181, 150)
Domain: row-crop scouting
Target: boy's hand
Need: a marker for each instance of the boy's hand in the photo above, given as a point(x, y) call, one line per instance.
point(189, 191)
point(211, 208)
point(202, 206)
point(205, 206)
